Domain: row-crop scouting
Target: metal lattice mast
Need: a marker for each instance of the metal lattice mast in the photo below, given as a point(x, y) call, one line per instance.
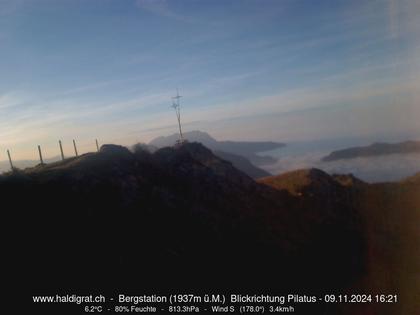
point(177, 107)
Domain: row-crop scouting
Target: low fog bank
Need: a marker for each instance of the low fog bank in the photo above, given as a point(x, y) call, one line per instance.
point(370, 169)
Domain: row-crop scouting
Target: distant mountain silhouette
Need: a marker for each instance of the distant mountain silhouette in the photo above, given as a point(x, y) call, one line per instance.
point(375, 149)
point(184, 219)
point(247, 149)
point(5, 165)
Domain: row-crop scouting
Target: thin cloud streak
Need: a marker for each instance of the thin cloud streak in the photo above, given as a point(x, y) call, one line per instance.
point(160, 8)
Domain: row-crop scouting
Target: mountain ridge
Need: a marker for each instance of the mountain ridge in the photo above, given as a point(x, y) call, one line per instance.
point(375, 149)
point(182, 215)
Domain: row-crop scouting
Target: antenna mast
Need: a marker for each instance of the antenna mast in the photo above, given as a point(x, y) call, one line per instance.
point(177, 108)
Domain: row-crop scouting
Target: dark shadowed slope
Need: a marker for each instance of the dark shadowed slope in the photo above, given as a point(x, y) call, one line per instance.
point(184, 218)
point(375, 149)
point(180, 217)
point(239, 162)
point(389, 214)
point(242, 164)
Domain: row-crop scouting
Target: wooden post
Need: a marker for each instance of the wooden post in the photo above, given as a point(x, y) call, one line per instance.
point(61, 150)
point(40, 154)
point(97, 145)
point(75, 148)
point(10, 160)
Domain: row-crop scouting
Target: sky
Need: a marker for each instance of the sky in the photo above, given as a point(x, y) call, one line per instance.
point(278, 70)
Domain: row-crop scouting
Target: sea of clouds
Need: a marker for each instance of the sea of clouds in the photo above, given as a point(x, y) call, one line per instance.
point(370, 169)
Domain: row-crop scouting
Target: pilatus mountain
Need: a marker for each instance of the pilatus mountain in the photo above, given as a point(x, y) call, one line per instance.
point(245, 149)
point(182, 218)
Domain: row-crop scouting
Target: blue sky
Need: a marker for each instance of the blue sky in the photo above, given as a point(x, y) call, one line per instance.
point(278, 70)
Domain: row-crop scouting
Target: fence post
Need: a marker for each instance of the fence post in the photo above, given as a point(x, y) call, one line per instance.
point(10, 160)
point(97, 145)
point(75, 148)
point(61, 150)
point(40, 155)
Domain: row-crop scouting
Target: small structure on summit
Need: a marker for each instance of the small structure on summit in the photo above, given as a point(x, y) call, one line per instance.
point(177, 107)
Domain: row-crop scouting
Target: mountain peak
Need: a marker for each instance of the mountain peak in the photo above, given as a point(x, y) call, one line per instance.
point(113, 149)
point(348, 180)
point(242, 154)
point(302, 181)
point(194, 136)
point(415, 179)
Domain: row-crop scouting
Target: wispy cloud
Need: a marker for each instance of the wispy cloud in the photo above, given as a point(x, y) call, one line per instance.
point(40, 120)
point(160, 8)
point(9, 100)
point(310, 98)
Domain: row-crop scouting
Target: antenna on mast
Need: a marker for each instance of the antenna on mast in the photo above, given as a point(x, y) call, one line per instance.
point(177, 107)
